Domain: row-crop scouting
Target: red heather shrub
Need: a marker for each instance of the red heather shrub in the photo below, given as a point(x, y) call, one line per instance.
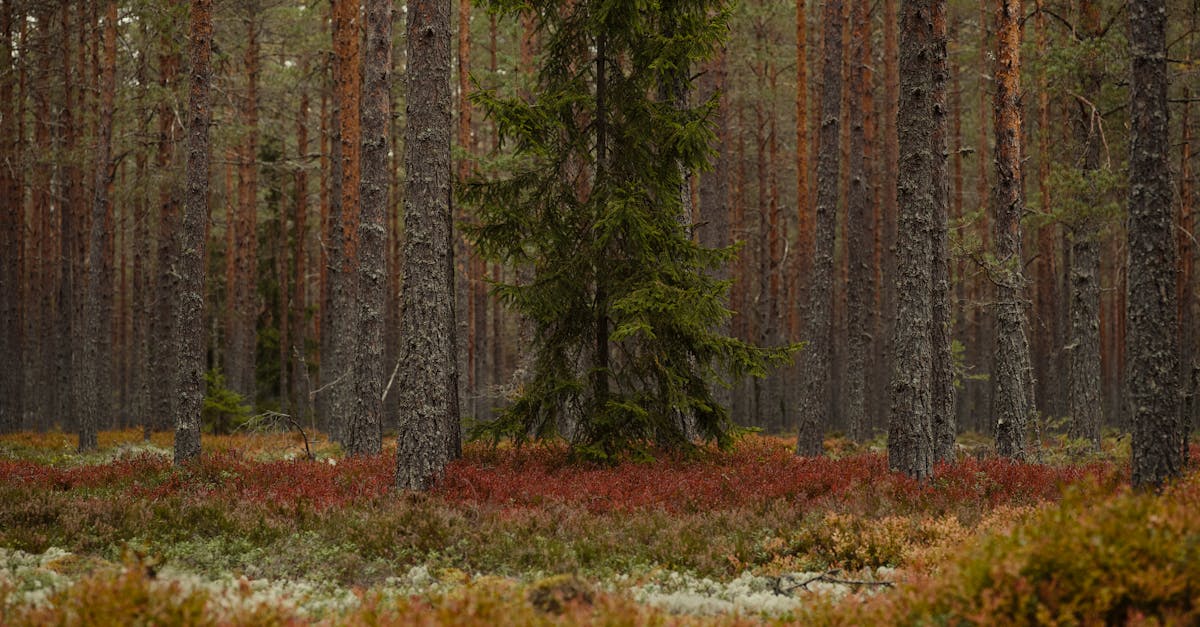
point(233, 477)
point(757, 471)
point(121, 471)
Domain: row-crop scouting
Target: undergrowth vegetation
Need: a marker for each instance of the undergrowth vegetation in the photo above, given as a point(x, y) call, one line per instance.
point(256, 533)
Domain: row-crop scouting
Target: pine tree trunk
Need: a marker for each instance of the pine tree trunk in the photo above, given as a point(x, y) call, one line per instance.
point(1152, 344)
point(98, 315)
point(1084, 380)
point(162, 354)
point(242, 335)
point(814, 370)
point(364, 426)
point(343, 254)
point(942, 369)
point(1046, 333)
point(861, 227)
point(12, 230)
point(804, 226)
point(887, 187)
point(299, 399)
point(981, 357)
point(189, 308)
point(1011, 376)
point(910, 436)
point(429, 412)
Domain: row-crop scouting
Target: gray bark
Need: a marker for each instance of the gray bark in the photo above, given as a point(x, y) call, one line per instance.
point(95, 377)
point(1151, 342)
point(429, 428)
point(910, 422)
point(189, 307)
point(860, 249)
point(942, 372)
point(814, 359)
point(363, 428)
point(1083, 393)
point(1084, 390)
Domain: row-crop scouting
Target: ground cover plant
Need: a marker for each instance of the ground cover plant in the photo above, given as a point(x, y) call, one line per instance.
point(255, 532)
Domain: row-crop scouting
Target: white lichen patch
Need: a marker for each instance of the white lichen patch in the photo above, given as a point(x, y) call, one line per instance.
point(747, 594)
point(30, 578)
point(230, 596)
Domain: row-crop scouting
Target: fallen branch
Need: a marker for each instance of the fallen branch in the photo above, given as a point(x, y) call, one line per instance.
point(829, 577)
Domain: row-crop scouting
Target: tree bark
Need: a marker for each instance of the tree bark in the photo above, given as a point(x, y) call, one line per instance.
point(814, 371)
point(189, 308)
point(343, 252)
point(162, 354)
point(804, 226)
point(910, 436)
point(299, 298)
point(98, 309)
point(942, 369)
point(1084, 380)
point(1011, 376)
point(12, 230)
point(861, 227)
point(364, 429)
point(1151, 343)
point(1046, 305)
point(429, 429)
point(242, 336)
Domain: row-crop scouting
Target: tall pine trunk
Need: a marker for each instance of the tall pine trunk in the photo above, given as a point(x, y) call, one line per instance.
point(1151, 344)
point(429, 412)
point(1084, 382)
point(344, 218)
point(910, 436)
point(364, 428)
point(1012, 373)
point(814, 359)
point(97, 345)
point(943, 426)
point(861, 226)
point(189, 307)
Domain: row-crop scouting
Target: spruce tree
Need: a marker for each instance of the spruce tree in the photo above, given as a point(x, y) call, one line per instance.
point(624, 303)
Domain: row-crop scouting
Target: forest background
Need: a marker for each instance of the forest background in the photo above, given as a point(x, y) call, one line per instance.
point(276, 190)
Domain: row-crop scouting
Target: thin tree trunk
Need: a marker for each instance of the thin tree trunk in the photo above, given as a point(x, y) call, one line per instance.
point(189, 308)
point(345, 217)
point(861, 227)
point(981, 357)
point(1085, 375)
point(1152, 343)
point(162, 354)
point(429, 430)
point(814, 371)
point(96, 348)
point(887, 186)
point(804, 227)
point(1047, 304)
point(299, 398)
point(364, 428)
point(12, 230)
point(242, 335)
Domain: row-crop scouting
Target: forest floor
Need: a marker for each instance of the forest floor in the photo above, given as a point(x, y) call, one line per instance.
point(256, 533)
